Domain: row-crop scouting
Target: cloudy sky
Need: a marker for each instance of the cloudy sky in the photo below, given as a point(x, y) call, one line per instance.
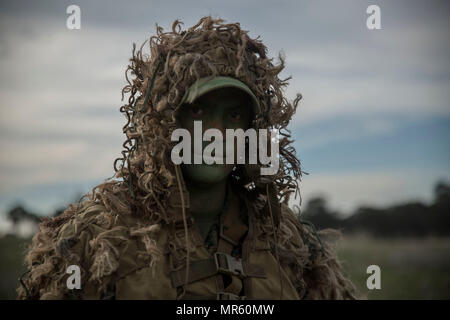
point(373, 127)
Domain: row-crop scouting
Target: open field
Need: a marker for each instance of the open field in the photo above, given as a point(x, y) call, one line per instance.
point(11, 266)
point(410, 268)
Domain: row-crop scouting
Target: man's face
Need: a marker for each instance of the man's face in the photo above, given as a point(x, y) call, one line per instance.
point(226, 108)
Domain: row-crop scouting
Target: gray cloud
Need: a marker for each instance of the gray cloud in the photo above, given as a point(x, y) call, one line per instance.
point(60, 89)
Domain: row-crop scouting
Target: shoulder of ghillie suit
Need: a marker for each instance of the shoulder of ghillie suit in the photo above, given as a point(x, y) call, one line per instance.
point(311, 258)
point(86, 235)
point(93, 238)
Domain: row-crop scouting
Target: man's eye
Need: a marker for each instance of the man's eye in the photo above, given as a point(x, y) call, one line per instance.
point(235, 116)
point(196, 111)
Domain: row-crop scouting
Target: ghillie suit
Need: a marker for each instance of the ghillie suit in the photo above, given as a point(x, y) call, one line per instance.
point(133, 237)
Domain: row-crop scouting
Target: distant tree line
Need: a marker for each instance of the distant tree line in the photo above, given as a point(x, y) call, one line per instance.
point(405, 220)
point(413, 219)
point(18, 214)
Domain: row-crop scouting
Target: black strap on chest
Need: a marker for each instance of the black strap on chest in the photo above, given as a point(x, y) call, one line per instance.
point(221, 263)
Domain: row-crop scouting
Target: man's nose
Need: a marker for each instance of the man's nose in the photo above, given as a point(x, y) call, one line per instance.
point(215, 123)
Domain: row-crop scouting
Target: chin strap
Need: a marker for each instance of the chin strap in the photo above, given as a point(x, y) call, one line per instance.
point(178, 175)
point(275, 232)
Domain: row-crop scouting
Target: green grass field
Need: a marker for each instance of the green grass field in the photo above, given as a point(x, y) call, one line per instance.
point(410, 268)
point(11, 267)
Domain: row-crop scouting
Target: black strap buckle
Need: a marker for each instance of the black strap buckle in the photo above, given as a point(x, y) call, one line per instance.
point(229, 296)
point(228, 264)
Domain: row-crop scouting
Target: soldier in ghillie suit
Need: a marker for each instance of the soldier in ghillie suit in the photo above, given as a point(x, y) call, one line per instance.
point(157, 230)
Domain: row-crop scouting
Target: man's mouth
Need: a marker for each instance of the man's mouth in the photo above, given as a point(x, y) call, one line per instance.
point(211, 158)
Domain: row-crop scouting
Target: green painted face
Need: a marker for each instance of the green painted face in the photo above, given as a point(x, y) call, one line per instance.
point(225, 108)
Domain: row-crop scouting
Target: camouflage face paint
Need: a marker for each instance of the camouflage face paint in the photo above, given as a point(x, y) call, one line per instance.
point(221, 109)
